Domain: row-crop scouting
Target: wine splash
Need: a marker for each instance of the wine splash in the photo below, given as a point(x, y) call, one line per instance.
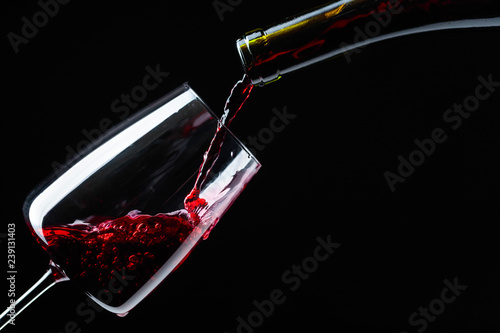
point(95, 253)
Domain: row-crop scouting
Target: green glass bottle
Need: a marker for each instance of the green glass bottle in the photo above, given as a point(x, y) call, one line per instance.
point(343, 28)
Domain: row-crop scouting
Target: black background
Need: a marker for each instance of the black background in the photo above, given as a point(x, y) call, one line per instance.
point(323, 175)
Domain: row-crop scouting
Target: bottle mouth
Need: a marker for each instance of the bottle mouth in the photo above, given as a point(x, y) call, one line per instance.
point(244, 53)
point(247, 59)
point(249, 47)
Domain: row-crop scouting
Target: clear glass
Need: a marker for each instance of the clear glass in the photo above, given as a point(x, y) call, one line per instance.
point(114, 220)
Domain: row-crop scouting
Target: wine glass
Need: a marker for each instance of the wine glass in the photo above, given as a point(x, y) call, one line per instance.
point(114, 221)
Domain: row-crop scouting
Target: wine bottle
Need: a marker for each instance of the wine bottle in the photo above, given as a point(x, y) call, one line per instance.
point(345, 27)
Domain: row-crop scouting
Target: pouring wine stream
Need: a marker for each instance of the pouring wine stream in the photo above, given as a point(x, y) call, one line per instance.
point(238, 96)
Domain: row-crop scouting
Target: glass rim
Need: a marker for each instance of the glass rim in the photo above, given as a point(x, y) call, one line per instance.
point(118, 128)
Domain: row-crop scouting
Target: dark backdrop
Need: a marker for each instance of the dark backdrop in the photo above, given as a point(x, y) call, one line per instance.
point(322, 176)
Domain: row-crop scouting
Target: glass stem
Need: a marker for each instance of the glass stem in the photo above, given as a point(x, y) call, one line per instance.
point(50, 278)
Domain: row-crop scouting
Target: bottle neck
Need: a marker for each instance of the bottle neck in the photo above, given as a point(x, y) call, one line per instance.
point(345, 27)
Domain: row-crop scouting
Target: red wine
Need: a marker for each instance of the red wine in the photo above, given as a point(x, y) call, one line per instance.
point(96, 253)
point(114, 258)
point(238, 96)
